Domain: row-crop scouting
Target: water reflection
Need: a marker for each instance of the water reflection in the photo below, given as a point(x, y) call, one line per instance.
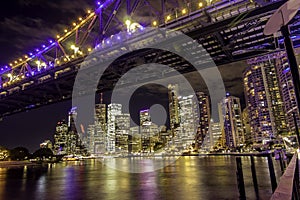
point(188, 178)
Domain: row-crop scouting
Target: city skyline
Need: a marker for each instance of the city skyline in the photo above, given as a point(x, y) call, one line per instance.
point(139, 99)
point(19, 125)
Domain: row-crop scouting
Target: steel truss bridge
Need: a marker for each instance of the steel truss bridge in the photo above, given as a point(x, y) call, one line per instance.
point(229, 30)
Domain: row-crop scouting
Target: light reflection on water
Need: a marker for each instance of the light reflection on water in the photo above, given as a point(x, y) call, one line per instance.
point(188, 178)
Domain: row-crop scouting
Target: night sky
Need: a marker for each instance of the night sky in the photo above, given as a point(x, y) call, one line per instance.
point(25, 25)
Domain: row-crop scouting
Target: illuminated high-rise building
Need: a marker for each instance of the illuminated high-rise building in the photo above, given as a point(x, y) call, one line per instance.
point(72, 115)
point(90, 139)
point(113, 110)
point(60, 138)
point(135, 142)
point(145, 131)
point(72, 137)
point(173, 108)
point(264, 102)
point(215, 135)
point(100, 129)
point(122, 132)
point(204, 117)
point(100, 115)
point(286, 85)
point(189, 119)
point(231, 121)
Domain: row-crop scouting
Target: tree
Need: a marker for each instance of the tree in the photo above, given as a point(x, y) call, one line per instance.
point(4, 153)
point(43, 153)
point(19, 153)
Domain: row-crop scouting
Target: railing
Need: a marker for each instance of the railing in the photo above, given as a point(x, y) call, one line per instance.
point(288, 187)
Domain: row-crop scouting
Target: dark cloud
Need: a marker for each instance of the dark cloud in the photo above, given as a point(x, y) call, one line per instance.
point(31, 23)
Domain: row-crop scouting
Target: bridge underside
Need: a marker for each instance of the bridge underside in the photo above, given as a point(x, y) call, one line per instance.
point(237, 37)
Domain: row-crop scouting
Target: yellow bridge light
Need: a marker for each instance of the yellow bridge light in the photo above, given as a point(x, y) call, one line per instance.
point(128, 22)
point(57, 36)
point(169, 17)
point(66, 30)
point(10, 64)
point(200, 4)
point(80, 18)
point(184, 11)
point(89, 11)
point(20, 59)
point(154, 23)
point(89, 49)
point(74, 24)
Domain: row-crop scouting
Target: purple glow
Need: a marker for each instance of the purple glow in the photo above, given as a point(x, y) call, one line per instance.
point(50, 41)
point(119, 38)
point(43, 46)
point(30, 54)
point(107, 42)
point(37, 50)
point(227, 94)
point(286, 70)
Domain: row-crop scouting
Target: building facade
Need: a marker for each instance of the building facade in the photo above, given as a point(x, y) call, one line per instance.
point(231, 121)
point(173, 94)
point(264, 100)
point(122, 132)
point(112, 110)
point(189, 120)
point(204, 118)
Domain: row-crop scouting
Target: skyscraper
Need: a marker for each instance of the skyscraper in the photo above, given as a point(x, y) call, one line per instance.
point(145, 122)
point(231, 121)
point(287, 90)
point(72, 136)
point(215, 135)
point(60, 138)
point(90, 139)
point(204, 117)
point(135, 142)
point(264, 102)
point(173, 108)
point(122, 132)
point(100, 129)
point(189, 119)
point(100, 115)
point(113, 110)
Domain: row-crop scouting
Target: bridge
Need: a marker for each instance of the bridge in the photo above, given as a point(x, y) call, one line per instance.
point(229, 30)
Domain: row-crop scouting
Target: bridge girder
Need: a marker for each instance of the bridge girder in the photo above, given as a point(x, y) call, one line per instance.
point(219, 33)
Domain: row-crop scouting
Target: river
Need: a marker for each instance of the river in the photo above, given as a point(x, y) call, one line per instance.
point(207, 177)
